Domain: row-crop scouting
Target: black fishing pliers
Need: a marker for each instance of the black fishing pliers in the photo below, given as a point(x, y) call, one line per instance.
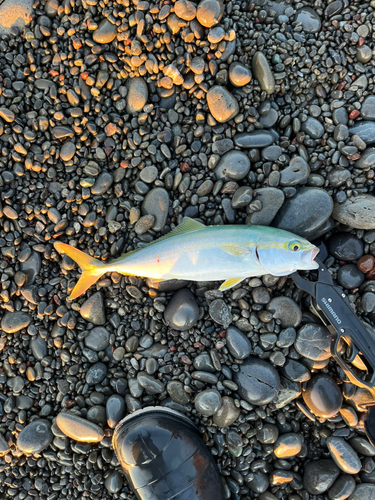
point(357, 360)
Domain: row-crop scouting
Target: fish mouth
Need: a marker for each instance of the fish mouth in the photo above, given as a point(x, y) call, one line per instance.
point(308, 256)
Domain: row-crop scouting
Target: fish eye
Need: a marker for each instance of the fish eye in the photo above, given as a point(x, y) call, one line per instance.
point(294, 246)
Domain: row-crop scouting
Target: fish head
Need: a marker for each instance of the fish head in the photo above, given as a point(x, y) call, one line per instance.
point(286, 253)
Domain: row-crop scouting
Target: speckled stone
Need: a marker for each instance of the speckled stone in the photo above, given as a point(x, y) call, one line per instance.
point(263, 73)
point(357, 212)
point(79, 428)
point(35, 437)
point(222, 104)
point(343, 455)
point(364, 491)
point(15, 14)
point(313, 342)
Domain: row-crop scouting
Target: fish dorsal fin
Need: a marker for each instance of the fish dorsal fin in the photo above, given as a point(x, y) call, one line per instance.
point(230, 283)
point(187, 226)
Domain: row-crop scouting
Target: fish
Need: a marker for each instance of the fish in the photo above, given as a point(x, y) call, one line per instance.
point(195, 252)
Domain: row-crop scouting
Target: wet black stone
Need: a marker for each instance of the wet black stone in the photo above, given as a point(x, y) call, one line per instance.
point(258, 381)
point(345, 246)
point(349, 276)
point(322, 396)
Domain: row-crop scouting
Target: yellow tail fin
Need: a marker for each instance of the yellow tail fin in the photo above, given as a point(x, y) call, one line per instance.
point(92, 269)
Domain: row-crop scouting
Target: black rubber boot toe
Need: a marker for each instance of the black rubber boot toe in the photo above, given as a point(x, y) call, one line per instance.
point(164, 458)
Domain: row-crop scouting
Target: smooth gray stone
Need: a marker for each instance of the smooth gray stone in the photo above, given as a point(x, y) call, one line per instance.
point(207, 402)
point(285, 310)
point(272, 200)
point(313, 128)
point(229, 50)
point(136, 390)
point(222, 104)
point(271, 153)
point(319, 476)
point(137, 95)
point(175, 389)
point(93, 309)
point(362, 446)
point(227, 413)
point(234, 165)
point(79, 428)
point(242, 197)
point(258, 381)
point(31, 267)
point(4, 446)
point(13, 322)
point(297, 172)
point(67, 151)
point(157, 350)
point(209, 12)
point(96, 373)
point(357, 212)
point(288, 392)
point(156, 203)
point(260, 483)
point(115, 409)
point(364, 491)
point(309, 19)
point(340, 115)
point(263, 73)
point(368, 108)
point(203, 362)
point(305, 213)
point(314, 342)
point(269, 120)
point(338, 176)
point(334, 8)
point(114, 482)
point(343, 455)
point(222, 146)
point(367, 159)
point(237, 343)
point(322, 396)
point(38, 347)
point(295, 371)
point(97, 339)
point(102, 183)
point(364, 54)
point(365, 130)
point(150, 384)
point(239, 74)
point(342, 488)
point(268, 434)
point(35, 437)
point(97, 415)
point(24, 402)
point(256, 139)
point(166, 285)
point(286, 337)
point(349, 276)
point(182, 311)
point(288, 445)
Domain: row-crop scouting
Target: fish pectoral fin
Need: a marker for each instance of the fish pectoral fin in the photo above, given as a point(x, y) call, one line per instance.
point(230, 283)
point(236, 251)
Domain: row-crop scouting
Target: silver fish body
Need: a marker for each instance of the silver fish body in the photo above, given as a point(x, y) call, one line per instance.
point(195, 252)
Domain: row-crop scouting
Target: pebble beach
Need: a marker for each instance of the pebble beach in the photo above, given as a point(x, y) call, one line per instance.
point(117, 120)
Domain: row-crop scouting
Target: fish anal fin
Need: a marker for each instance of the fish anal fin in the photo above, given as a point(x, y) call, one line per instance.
point(230, 283)
point(236, 251)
